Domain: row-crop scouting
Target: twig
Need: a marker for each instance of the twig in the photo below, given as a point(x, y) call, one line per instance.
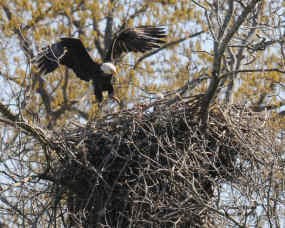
point(170, 44)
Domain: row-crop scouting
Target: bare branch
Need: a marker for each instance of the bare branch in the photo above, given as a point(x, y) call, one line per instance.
point(109, 27)
point(251, 71)
point(227, 18)
point(219, 48)
point(231, 31)
point(14, 121)
point(170, 44)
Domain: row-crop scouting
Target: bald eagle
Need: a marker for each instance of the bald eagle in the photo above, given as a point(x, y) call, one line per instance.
point(71, 53)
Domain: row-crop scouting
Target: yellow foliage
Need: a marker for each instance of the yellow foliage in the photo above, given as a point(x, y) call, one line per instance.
point(167, 70)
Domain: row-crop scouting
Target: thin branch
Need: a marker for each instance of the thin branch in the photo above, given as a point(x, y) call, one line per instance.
point(29, 54)
point(14, 208)
point(261, 108)
point(109, 27)
point(252, 71)
point(14, 121)
point(200, 5)
point(6, 112)
point(224, 42)
point(170, 44)
point(219, 49)
point(227, 17)
point(142, 9)
point(96, 39)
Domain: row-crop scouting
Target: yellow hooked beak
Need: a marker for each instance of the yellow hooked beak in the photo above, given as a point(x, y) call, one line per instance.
point(115, 73)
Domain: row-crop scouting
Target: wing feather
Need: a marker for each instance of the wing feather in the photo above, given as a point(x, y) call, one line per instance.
point(69, 52)
point(139, 39)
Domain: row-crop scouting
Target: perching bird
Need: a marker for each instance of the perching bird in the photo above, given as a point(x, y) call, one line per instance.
point(72, 53)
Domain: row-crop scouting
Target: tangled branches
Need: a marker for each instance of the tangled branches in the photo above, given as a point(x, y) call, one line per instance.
point(153, 165)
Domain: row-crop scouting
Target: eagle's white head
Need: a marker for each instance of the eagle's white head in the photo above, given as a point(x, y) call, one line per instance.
point(109, 68)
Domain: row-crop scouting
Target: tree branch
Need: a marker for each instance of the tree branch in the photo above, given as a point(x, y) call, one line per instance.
point(219, 49)
point(109, 27)
point(261, 108)
point(29, 54)
point(14, 121)
point(96, 39)
point(142, 9)
point(170, 44)
point(227, 17)
point(252, 71)
point(224, 42)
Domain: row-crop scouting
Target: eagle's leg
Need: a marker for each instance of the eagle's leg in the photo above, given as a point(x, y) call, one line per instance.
point(98, 91)
point(100, 105)
point(112, 96)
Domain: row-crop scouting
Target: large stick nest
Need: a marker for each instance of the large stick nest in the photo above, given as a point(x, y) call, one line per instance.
point(149, 166)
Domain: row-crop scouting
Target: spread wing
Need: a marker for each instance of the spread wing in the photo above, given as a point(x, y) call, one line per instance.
point(139, 39)
point(69, 52)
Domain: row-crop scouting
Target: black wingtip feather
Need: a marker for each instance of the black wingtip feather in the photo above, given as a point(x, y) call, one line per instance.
point(138, 39)
point(48, 59)
point(152, 31)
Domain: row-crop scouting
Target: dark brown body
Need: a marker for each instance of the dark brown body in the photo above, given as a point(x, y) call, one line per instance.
point(101, 83)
